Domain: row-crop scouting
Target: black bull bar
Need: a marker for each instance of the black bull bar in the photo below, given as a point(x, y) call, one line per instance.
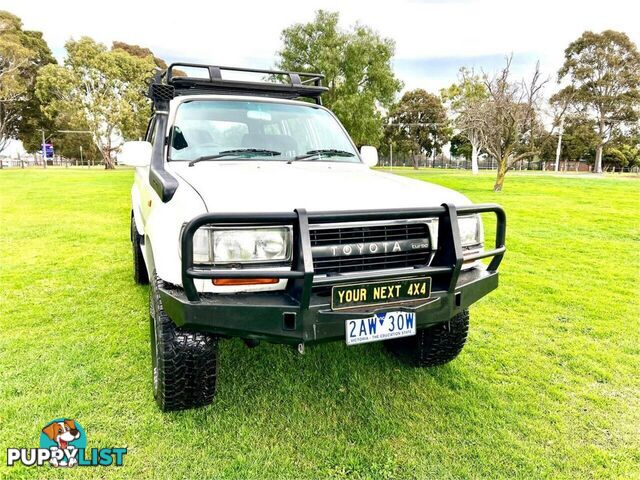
point(446, 265)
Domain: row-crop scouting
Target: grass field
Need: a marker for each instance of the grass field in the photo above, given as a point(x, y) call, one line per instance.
point(547, 387)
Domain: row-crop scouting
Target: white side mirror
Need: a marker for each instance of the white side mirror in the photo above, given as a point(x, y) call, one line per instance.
point(135, 154)
point(369, 155)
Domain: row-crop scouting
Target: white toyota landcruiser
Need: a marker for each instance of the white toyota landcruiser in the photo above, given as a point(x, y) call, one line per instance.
point(255, 216)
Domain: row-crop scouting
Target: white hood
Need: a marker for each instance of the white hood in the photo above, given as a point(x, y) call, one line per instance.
point(269, 186)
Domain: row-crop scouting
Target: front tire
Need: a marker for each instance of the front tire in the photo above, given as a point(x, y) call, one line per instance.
point(435, 345)
point(184, 362)
point(140, 274)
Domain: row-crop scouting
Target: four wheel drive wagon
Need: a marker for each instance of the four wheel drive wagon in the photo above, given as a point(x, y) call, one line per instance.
point(255, 216)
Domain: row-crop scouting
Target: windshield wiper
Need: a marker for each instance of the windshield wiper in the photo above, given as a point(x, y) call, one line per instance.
point(324, 152)
point(247, 152)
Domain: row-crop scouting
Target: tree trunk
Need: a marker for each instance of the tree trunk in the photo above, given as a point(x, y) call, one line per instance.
point(474, 158)
point(415, 160)
point(108, 161)
point(502, 172)
point(598, 164)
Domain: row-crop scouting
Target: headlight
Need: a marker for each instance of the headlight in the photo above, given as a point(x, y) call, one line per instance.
point(202, 246)
point(249, 245)
point(242, 245)
point(471, 231)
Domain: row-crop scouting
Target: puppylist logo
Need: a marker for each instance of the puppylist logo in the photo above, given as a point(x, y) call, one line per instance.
point(63, 443)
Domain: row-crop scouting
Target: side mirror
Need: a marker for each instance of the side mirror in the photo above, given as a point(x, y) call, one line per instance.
point(135, 154)
point(369, 155)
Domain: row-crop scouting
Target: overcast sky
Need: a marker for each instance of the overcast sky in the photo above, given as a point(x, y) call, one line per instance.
point(433, 37)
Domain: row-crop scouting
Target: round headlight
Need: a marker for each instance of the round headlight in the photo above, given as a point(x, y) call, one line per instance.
point(227, 247)
point(272, 243)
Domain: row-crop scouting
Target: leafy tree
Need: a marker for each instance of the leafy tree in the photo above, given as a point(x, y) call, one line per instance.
point(357, 68)
point(403, 146)
point(511, 130)
point(461, 147)
point(140, 52)
point(99, 89)
point(546, 151)
point(579, 139)
point(622, 151)
point(22, 53)
point(420, 120)
point(604, 74)
point(68, 144)
point(466, 99)
point(143, 52)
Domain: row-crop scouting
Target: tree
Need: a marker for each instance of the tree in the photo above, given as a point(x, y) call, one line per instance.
point(547, 149)
point(622, 151)
point(395, 138)
point(357, 69)
point(68, 144)
point(466, 99)
point(510, 128)
point(604, 74)
point(143, 52)
point(98, 89)
point(579, 138)
point(419, 118)
point(461, 147)
point(22, 53)
point(140, 52)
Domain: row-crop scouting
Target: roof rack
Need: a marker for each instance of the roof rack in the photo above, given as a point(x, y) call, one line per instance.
point(172, 83)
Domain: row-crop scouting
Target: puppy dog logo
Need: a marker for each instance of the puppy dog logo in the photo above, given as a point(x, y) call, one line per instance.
point(65, 435)
point(63, 443)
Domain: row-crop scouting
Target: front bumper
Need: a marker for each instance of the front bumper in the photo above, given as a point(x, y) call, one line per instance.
point(279, 318)
point(302, 313)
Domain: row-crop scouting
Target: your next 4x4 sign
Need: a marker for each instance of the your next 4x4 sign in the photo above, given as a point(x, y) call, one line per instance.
point(380, 293)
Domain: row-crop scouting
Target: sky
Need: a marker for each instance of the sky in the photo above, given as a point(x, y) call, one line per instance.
point(434, 38)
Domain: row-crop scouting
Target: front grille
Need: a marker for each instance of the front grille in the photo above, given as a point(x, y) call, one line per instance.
point(356, 248)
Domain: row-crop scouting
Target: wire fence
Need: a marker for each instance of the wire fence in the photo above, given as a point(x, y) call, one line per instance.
point(488, 163)
point(36, 160)
point(462, 163)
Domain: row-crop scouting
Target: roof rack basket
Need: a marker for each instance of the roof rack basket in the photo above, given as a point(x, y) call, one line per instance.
point(173, 82)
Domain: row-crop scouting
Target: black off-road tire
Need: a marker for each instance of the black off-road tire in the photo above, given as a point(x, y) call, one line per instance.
point(184, 363)
point(435, 345)
point(140, 274)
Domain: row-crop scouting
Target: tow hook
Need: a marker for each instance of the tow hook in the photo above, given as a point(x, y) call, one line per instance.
point(301, 348)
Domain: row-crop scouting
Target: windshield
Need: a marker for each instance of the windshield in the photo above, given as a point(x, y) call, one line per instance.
point(223, 130)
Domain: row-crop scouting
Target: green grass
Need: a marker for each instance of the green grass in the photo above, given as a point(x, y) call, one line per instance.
point(547, 387)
